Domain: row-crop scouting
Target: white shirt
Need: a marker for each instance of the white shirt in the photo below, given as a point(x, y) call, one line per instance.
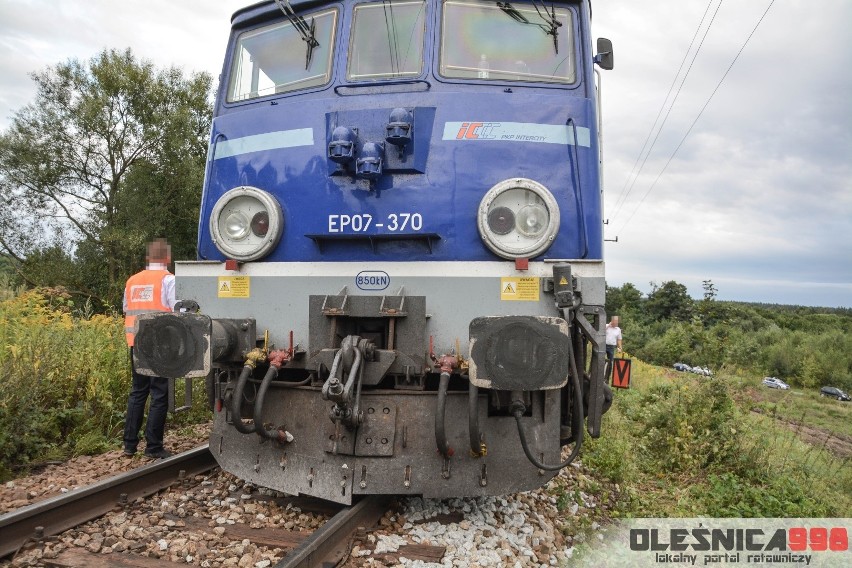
point(167, 291)
point(613, 334)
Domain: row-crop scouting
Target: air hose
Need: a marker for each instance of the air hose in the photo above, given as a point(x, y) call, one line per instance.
point(252, 358)
point(237, 401)
point(440, 430)
point(518, 410)
point(276, 360)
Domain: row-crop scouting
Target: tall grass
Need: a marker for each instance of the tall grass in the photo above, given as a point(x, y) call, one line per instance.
point(680, 445)
point(64, 379)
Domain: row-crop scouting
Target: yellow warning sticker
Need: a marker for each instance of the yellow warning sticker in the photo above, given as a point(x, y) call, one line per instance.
point(563, 281)
point(233, 287)
point(519, 289)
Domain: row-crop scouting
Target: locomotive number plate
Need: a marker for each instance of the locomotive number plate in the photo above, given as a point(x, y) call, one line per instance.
point(362, 223)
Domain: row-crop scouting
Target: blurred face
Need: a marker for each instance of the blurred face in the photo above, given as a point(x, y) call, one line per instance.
point(159, 252)
point(614, 321)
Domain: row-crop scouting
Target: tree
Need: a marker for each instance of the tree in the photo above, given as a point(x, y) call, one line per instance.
point(669, 301)
point(627, 298)
point(709, 310)
point(110, 154)
point(710, 290)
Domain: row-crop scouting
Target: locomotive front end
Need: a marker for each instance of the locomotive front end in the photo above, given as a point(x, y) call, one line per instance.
point(400, 273)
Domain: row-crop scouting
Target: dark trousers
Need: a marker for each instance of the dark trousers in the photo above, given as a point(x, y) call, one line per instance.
point(158, 387)
point(610, 355)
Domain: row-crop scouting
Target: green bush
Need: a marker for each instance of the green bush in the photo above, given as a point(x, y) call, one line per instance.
point(692, 426)
point(59, 376)
point(670, 347)
point(681, 445)
point(607, 454)
point(727, 495)
point(64, 380)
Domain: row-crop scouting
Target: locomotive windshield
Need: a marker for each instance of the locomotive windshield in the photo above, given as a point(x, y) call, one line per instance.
point(503, 42)
point(273, 59)
point(387, 40)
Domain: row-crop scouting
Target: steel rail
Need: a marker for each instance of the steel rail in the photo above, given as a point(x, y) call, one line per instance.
point(328, 544)
point(60, 513)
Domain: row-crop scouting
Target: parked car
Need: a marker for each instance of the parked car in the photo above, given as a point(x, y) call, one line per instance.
point(683, 367)
point(775, 383)
point(834, 392)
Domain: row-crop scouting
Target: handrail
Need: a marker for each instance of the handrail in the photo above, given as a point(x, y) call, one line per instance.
point(578, 194)
point(599, 112)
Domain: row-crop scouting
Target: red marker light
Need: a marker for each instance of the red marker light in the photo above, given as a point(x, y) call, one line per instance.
point(260, 224)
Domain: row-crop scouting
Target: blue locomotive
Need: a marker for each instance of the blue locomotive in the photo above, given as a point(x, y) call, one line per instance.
point(400, 272)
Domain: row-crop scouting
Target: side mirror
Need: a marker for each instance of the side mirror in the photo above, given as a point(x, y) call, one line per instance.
point(605, 59)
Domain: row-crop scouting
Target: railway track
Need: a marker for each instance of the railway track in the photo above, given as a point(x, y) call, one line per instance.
point(326, 546)
point(52, 516)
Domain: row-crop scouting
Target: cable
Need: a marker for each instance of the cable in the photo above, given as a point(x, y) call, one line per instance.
point(668, 112)
point(577, 426)
point(662, 106)
point(691, 126)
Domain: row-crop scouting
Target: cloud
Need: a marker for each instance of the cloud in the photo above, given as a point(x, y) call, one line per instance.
point(758, 196)
point(191, 34)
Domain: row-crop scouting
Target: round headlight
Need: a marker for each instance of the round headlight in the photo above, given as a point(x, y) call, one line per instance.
point(518, 218)
point(236, 225)
point(246, 223)
point(532, 220)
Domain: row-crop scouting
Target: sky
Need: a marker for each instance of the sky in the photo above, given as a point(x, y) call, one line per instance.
point(758, 198)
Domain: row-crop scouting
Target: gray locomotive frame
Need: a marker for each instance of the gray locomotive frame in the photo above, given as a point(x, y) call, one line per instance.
point(393, 450)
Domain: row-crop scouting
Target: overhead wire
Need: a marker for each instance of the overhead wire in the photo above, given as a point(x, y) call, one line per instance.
point(662, 106)
point(691, 126)
point(620, 205)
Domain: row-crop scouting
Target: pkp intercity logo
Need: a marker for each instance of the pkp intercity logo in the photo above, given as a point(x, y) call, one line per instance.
point(477, 131)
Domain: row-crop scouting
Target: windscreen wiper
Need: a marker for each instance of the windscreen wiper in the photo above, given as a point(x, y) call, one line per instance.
point(551, 20)
point(514, 14)
point(550, 27)
point(306, 31)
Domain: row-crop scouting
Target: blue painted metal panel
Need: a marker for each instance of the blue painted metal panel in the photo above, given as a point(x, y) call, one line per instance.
point(279, 144)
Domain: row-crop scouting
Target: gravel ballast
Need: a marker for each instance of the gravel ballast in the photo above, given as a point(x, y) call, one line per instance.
point(218, 520)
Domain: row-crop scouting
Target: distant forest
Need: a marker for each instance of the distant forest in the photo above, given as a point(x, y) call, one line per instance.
point(808, 347)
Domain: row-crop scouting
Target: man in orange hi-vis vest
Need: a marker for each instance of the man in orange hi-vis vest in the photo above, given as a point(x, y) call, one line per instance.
point(152, 290)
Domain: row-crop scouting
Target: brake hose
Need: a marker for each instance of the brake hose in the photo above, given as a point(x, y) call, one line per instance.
point(518, 410)
point(237, 401)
